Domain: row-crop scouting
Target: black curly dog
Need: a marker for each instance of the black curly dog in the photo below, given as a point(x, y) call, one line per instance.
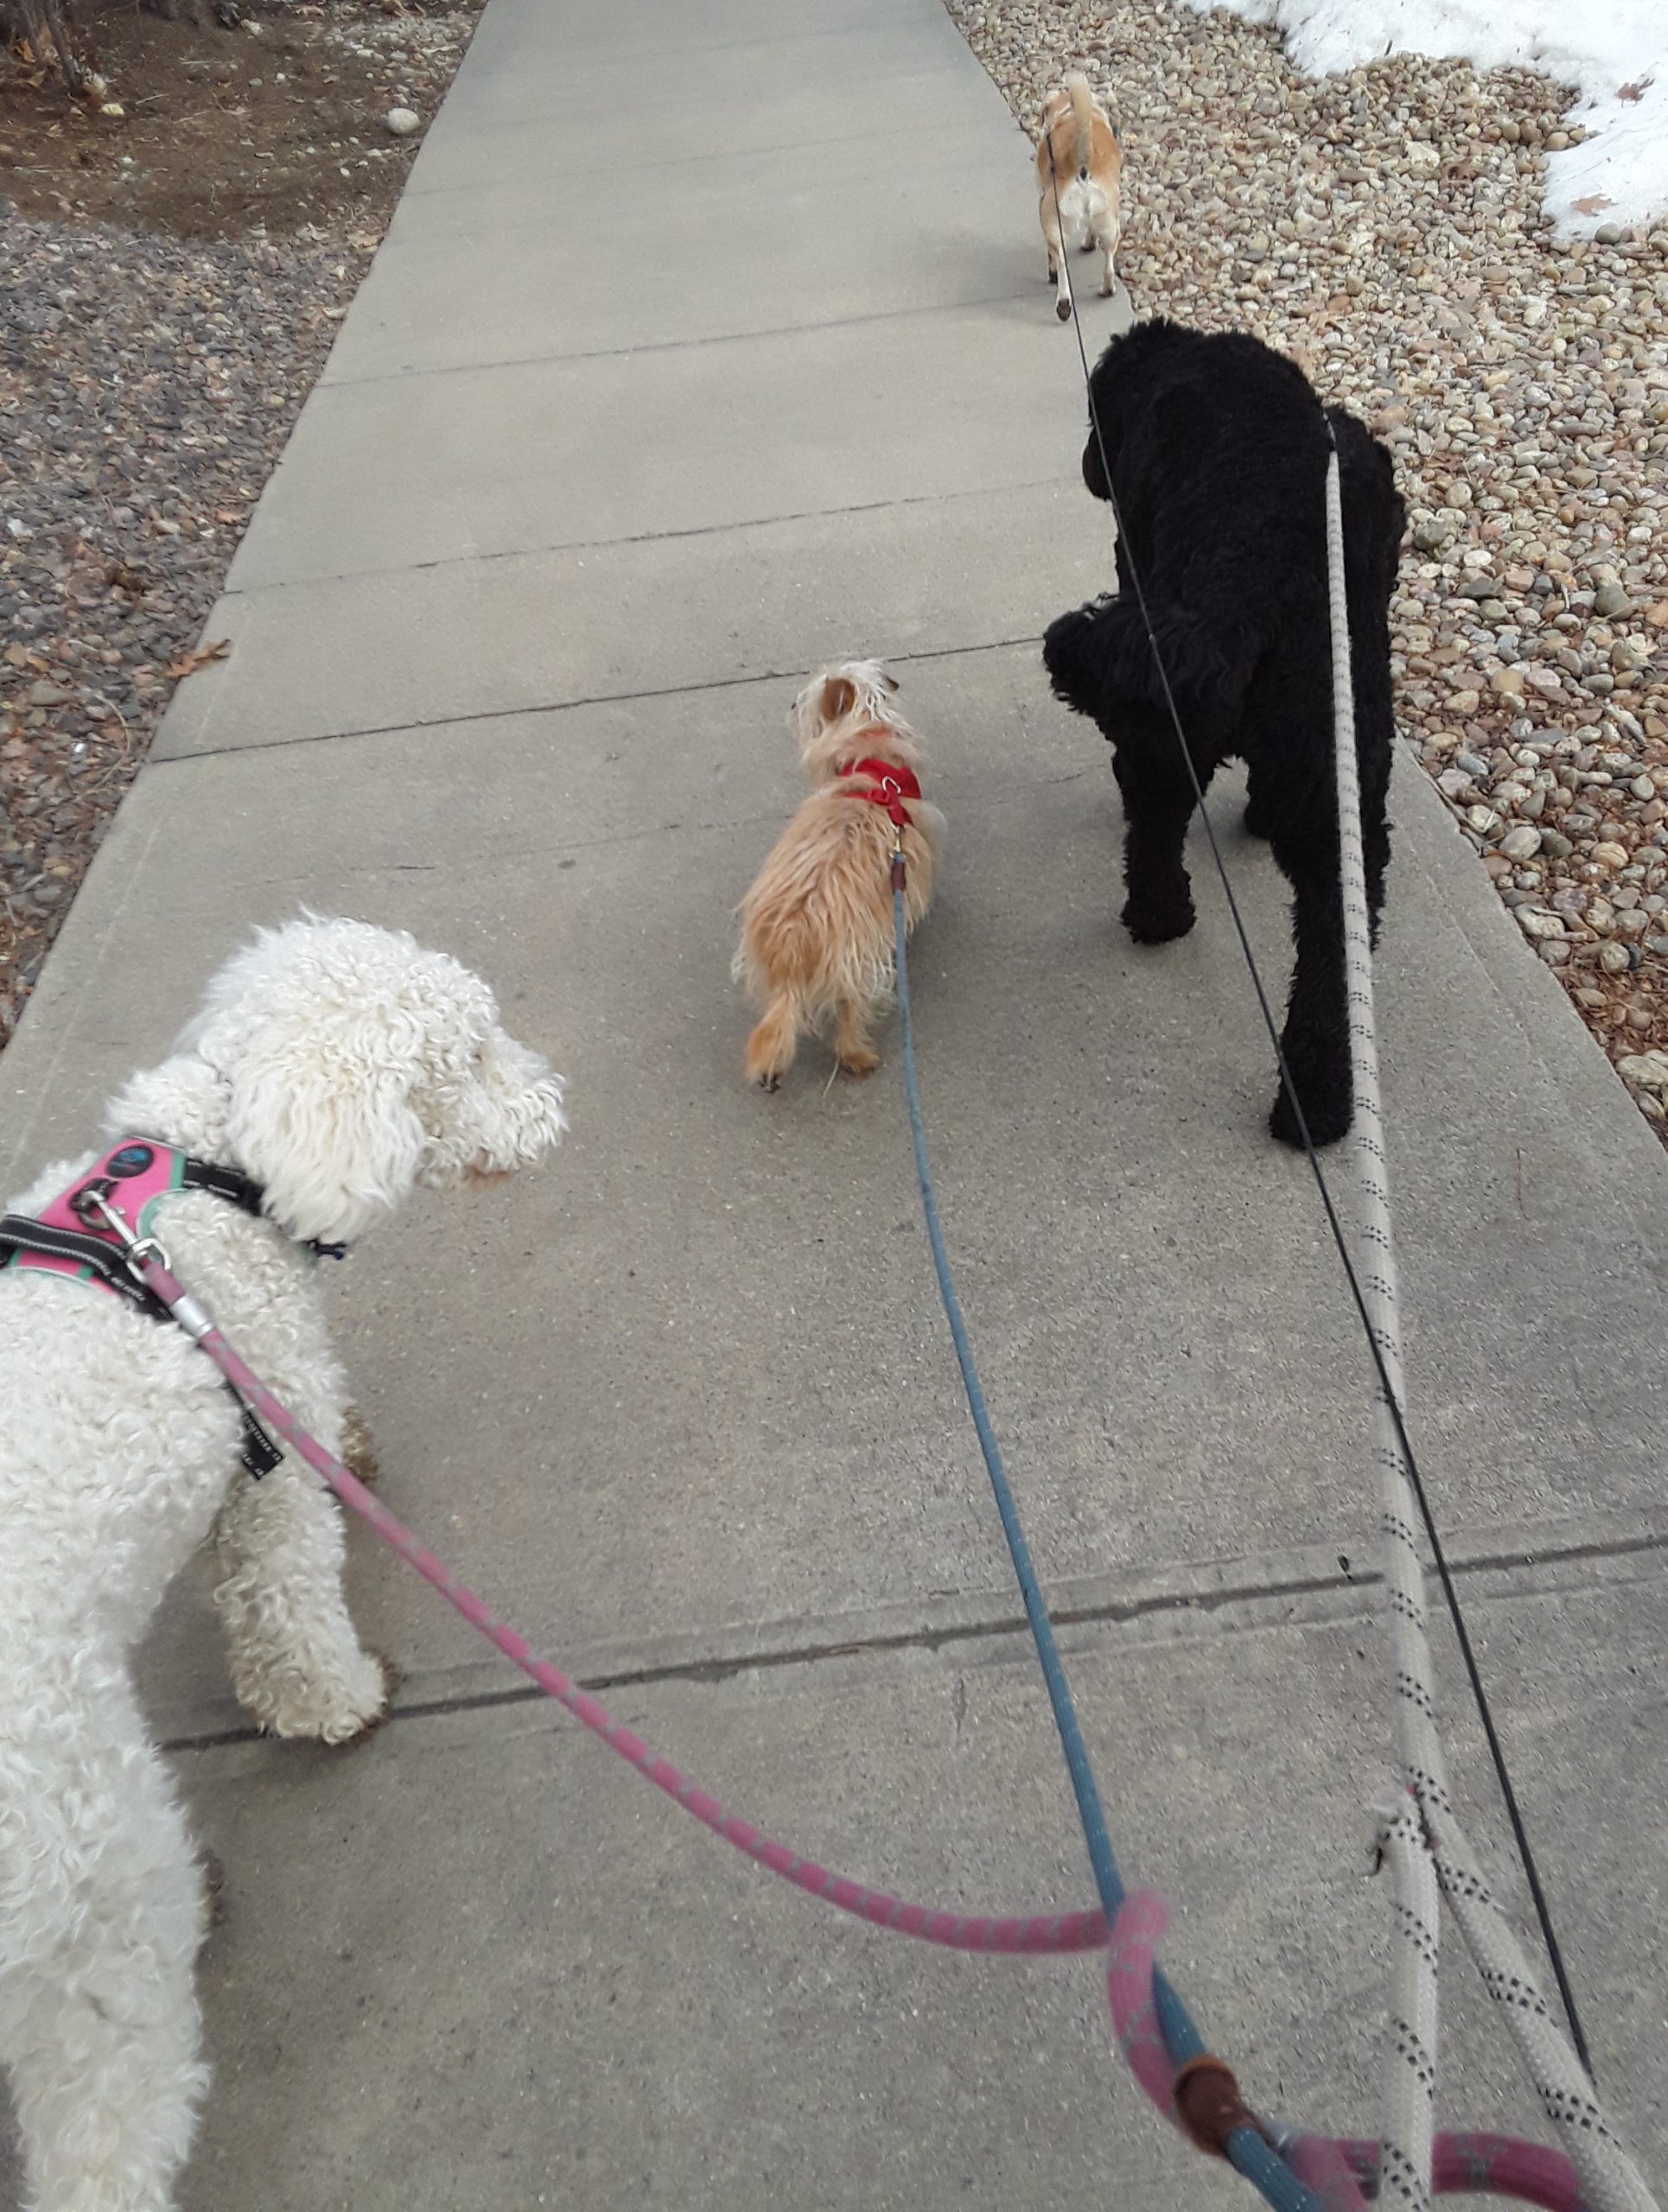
point(1217, 453)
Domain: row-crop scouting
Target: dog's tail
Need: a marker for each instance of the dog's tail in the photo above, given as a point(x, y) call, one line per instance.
point(1083, 114)
point(1103, 655)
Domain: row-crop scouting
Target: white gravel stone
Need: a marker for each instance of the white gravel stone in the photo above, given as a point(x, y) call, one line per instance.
point(1535, 922)
point(1648, 1070)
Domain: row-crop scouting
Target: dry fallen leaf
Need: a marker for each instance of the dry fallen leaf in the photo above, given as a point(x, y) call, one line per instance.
point(200, 658)
point(1632, 92)
point(1592, 204)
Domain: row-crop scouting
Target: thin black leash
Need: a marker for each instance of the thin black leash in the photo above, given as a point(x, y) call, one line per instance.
point(1497, 1754)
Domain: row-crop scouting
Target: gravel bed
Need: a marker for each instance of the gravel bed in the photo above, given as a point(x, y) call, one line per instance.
point(1385, 228)
point(147, 386)
point(148, 381)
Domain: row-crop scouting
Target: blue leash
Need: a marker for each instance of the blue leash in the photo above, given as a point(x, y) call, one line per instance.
point(1247, 2150)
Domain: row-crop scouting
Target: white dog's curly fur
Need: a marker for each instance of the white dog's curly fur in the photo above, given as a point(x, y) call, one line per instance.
point(341, 1065)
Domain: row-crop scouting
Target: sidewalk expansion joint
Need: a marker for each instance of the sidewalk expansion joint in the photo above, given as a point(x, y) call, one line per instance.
point(1111, 1612)
point(670, 345)
point(566, 706)
point(1068, 482)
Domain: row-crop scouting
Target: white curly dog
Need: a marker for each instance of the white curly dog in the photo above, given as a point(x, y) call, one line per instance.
point(341, 1065)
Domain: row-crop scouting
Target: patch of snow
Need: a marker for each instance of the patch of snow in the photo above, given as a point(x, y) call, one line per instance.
point(1613, 53)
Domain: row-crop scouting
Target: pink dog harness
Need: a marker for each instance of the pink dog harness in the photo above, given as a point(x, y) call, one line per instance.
point(146, 1174)
point(71, 1236)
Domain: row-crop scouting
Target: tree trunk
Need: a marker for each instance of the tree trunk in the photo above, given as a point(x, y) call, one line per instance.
point(47, 25)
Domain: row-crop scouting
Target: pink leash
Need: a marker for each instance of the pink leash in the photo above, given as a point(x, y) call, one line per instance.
point(1481, 2166)
point(1028, 1934)
point(1490, 2165)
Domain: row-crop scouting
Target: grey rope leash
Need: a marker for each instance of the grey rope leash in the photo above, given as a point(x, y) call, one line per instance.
point(1427, 1848)
point(1562, 2078)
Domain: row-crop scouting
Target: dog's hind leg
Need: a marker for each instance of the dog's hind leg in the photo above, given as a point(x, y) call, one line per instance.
point(1375, 742)
point(853, 1046)
point(1057, 277)
point(1158, 800)
point(297, 1664)
point(1260, 809)
point(1375, 837)
point(770, 1048)
point(98, 2019)
point(1317, 1038)
point(1107, 232)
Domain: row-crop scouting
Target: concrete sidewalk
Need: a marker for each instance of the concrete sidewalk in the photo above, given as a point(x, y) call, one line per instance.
point(594, 476)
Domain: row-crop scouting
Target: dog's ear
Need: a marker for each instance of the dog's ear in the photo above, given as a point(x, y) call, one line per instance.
point(1094, 468)
point(321, 1115)
point(1104, 658)
point(1071, 654)
point(839, 697)
point(1101, 447)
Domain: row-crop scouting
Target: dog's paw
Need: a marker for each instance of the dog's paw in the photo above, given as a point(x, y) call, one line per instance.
point(369, 1716)
point(1328, 1117)
point(338, 1708)
point(768, 1082)
point(358, 1452)
point(212, 1870)
point(859, 1062)
point(1158, 922)
point(1063, 309)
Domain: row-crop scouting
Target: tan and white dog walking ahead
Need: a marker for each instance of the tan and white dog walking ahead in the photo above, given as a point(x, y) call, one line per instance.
point(817, 940)
point(1080, 163)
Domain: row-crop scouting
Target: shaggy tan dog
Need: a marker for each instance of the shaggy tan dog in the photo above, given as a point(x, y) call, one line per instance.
point(816, 924)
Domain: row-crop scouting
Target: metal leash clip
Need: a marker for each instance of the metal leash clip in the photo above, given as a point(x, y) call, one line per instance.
point(138, 1251)
point(258, 1453)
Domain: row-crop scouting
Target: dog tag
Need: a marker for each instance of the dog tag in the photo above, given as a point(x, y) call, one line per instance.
point(260, 1455)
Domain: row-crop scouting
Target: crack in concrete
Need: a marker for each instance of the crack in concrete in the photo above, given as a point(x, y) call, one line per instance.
point(1115, 1612)
point(565, 706)
point(1069, 481)
point(671, 345)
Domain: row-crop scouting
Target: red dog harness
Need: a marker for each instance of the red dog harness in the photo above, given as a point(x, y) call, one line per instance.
point(897, 783)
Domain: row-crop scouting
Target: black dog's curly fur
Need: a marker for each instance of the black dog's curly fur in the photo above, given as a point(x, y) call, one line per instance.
point(1217, 453)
